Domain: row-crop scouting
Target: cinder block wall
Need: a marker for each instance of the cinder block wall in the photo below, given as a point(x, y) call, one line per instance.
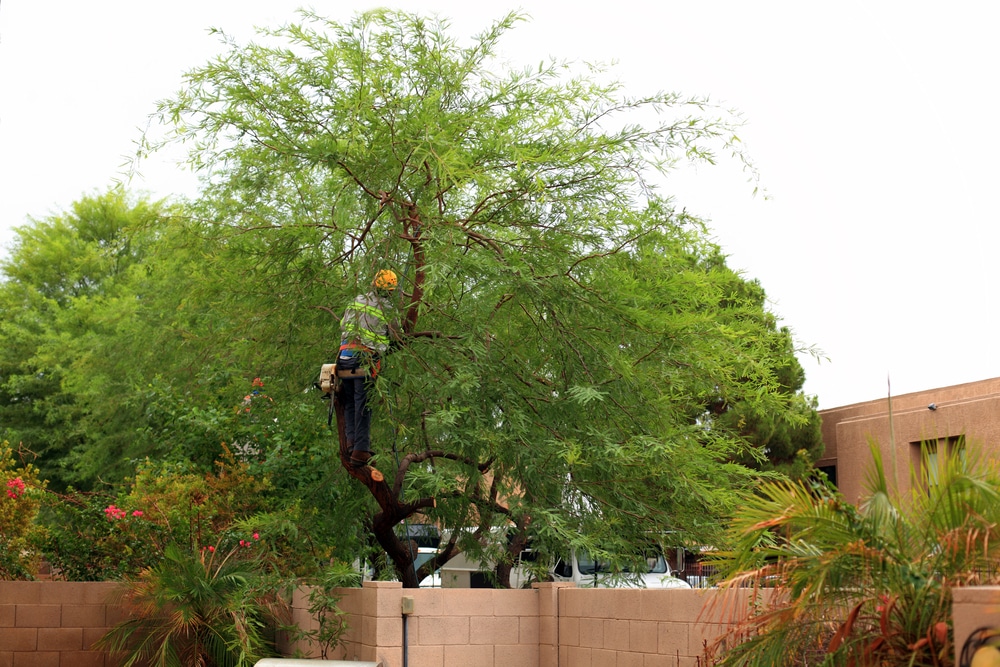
point(645, 628)
point(973, 608)
point(481, 627)
point(54, 623)
point(551, 625)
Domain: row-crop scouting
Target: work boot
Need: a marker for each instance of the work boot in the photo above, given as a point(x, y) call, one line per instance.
point(359, 458)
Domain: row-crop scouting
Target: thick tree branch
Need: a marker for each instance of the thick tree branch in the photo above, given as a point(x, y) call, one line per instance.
point(412, 232)
point(419, 457)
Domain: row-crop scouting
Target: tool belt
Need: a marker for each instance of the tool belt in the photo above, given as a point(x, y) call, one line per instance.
point(359, 372)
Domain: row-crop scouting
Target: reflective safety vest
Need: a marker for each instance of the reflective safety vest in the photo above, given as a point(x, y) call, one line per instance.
point(364, 325)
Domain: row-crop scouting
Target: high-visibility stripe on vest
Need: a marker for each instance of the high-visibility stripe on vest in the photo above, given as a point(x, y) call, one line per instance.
point(365, 324)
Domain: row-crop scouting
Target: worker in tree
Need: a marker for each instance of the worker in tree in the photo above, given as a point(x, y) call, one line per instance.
point(367, 332)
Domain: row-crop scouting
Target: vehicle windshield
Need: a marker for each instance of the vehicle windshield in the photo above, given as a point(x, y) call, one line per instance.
point(588, 565)
point(655, 564)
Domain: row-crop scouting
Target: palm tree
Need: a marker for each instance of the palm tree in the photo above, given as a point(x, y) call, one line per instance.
point(198, 610)
point(867, 585)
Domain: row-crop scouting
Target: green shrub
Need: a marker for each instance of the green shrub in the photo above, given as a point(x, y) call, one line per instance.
point(194, 507)
point(20, 499)
point(323, 601)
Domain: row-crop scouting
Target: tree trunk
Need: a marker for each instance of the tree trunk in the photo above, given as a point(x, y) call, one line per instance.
point(391, 513)
point(514, 549)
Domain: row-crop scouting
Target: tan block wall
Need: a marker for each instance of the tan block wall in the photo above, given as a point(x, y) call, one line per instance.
point(54, 623)
point(973, 608)
point(481, 627)
point(646, 628)
point(551, 625)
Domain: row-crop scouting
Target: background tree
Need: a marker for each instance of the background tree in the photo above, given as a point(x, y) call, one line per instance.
point(790, 440)
point(566, 331)
point(117, 349)
point(63, 274)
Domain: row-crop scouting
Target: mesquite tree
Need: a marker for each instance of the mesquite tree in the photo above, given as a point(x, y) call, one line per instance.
point(569, 338)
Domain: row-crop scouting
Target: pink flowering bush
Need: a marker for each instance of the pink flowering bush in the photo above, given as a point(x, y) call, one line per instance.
point(15, 488)
point(113, 513)
point(19, 505)
point(96, 536)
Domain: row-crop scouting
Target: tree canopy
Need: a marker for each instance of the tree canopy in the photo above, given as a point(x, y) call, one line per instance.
point(578, 364)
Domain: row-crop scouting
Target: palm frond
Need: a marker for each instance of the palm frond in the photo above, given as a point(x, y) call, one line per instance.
point(862, 585)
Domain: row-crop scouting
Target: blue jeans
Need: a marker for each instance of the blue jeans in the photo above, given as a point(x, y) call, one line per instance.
point(357, 414)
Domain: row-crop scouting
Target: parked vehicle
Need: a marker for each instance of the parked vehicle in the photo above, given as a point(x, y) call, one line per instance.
point(582, 569)
point(577, 567)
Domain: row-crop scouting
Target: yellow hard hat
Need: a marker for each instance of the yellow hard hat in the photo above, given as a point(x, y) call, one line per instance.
point(385, 279)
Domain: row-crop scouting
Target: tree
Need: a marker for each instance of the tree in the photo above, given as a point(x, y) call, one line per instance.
point(791, 440)
point(116, 349)
point(566, 330)
point(63, 276)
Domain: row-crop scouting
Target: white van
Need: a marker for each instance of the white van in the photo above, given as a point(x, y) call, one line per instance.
point(586, 572)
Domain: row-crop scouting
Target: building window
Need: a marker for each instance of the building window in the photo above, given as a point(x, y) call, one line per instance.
point(930, 456)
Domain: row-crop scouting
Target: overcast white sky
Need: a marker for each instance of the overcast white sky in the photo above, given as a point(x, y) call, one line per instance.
point(872, 123)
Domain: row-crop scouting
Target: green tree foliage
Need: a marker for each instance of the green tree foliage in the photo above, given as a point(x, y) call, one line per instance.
point(791, 440)
point(66, 296)
point(573, 346)
point(130, 359)
point(869, 584)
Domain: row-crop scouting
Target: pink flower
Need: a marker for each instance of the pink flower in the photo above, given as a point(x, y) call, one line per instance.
point(243, 543)
point(15, 487)
point(137, 513)
point(211, 549)
point(256, 536)
point(113, 513)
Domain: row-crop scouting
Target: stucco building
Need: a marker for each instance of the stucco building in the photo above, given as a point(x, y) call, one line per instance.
point(943, 418)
